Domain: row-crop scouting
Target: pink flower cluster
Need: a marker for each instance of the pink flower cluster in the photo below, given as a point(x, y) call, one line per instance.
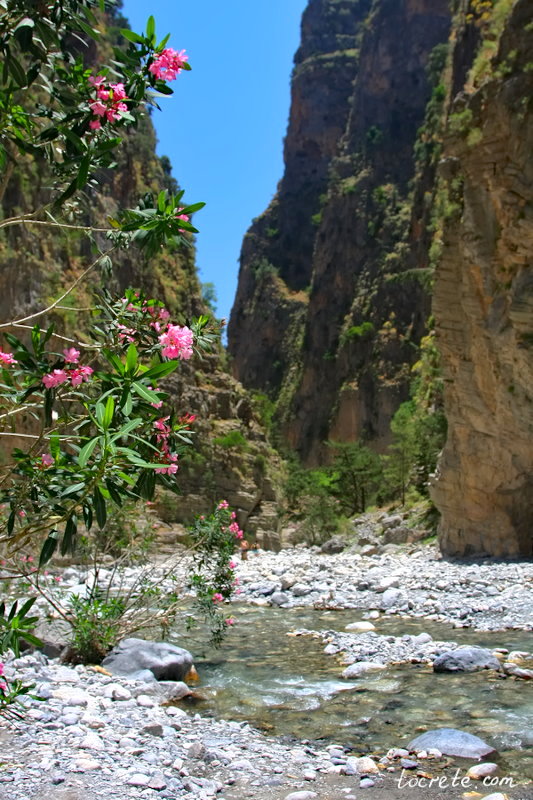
point(234, 528)
point(3, 684)
point(109, 102)
point(7, 359)
point(168, 64)
point(46, 460)
point(163, 432)
point(184, 217)
point(177, 342)
point(76, 376)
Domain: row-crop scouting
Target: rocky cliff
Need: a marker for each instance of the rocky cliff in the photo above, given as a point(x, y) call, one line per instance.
point(323, 319)
point(483, 300)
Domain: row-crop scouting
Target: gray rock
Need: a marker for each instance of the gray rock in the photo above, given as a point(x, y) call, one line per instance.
point(279, 598)
point(300, 590)
point(134, 657)
point(465, 659)
point(391, 597)
point(452, 742)
point(335, 545)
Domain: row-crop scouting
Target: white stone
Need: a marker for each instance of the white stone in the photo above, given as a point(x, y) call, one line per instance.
point(301, 796)
point(360, 668)
point(145, 701)
point(360, 627)
point(138, 779)
point(479, 771)
point(115, 691)
point(92, 742)
point(367, 766)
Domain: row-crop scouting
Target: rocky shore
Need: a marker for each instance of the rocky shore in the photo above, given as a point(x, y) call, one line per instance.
point(93, 735)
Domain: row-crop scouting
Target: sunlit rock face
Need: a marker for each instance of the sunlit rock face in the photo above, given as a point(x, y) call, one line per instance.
point(483, 306)
point(316, 320)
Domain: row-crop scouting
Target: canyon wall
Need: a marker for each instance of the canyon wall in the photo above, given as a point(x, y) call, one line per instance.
point(483, 300)
point(326, 317)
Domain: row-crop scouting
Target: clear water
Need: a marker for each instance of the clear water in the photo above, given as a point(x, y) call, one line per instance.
point(287, 686)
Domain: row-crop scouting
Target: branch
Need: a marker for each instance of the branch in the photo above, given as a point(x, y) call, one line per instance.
point(59, 299)
point(24, 219)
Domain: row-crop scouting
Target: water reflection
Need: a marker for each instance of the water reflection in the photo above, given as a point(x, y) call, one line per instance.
point(286, 685)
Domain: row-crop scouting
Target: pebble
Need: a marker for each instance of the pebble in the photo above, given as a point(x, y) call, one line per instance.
point(479, 771)
point(301, 796)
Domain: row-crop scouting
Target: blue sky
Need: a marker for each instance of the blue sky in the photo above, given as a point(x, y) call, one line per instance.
point(223, 128)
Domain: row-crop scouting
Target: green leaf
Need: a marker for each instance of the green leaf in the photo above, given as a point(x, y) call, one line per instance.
point(145, 393)
point(48, 549)
point(69, 535)
point(162, 43)
point(26, 607)
point(131, 359)
point(114, 360)
point(83, 173)
point(99, 507)
point(131, 36)
point(88, 517)
point(109, 411)
point(126, 402)
point(127, 428)
point(91, 32)
point(54, 446)
point(74, 489)
point(17, 71)
point(114, 493)
point(87, 451)
point(193, 208)
point(162, 201)
point(150, 30)
point(160, 370)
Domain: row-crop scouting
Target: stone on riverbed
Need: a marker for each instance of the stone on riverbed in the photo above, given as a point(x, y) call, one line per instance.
point(360, 668)
point(360, 627)
point(466, 659)
point(148, 661)
point(452, 742)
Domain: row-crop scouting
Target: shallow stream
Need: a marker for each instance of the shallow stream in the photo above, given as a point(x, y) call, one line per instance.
point(287, 686)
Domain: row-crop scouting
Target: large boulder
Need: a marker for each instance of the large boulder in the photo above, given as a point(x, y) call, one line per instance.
point(335, 545)
point(149, 661)
point(452, 742)
point(465, 659)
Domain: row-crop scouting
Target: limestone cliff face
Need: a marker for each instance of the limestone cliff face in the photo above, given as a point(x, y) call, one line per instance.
point(483, 302)
point(322, 318)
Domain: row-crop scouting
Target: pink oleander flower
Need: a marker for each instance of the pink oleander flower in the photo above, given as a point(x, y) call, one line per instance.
point(7, 358)
point(3, 686)
point(55, 378)
point(239, 534)
point(95, 124)
point(223, 504)
point(118, 90)
point(80, 374)
point(230, 621)
point(217, 597)
point(168, 64)
point(2, 668)
point(47, 460)
point(103, 94)
point(22, 514)
point(233, 515)
point(184, 217)
point(72, 355)
point(234, 527)
point(232, 565)
point(177, 342)
point(98, 81)
point(98, 108)
point(170, 460)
